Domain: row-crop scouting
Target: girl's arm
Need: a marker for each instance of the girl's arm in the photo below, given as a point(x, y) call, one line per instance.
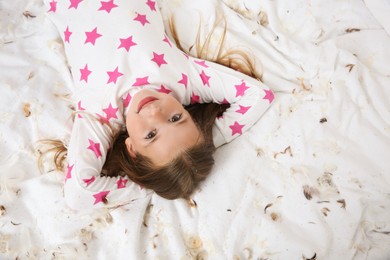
point(248, 99)
point(85, 188)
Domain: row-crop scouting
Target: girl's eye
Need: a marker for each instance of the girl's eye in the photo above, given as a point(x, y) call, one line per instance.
point(151, 134)
point(175, 118)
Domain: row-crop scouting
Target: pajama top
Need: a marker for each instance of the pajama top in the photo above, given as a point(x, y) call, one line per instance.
point(115, 48)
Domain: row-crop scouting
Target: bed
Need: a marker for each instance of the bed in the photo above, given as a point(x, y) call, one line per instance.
point(310, 180)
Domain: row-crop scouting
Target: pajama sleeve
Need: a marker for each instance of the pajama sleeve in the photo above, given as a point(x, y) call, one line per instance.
point(85, 188)
point(248, 99)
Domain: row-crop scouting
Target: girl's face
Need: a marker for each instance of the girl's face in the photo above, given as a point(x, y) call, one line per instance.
point(159, 127)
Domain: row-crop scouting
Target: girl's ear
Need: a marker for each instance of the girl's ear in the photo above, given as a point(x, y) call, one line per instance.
point(130, 148)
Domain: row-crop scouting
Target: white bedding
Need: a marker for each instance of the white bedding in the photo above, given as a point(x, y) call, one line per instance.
point(311, 180)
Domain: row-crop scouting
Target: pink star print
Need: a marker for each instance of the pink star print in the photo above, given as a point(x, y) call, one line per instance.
point(121, 183)
point(69, 172)
point(67, 34)
point(89, 181)
point(126, 100)
point(111, 112)
point(205, 78)
point(152, 5)
point(194, 98)
point(242, 109)
point(269, 95)
point(74, 4)
point(101, 197)
point(85, 73)
point(241, 89)
point(94, 147)
point(167, 41)
point(92, 36)
point(158, 59)
point(201, 63)
point(80, 108)
point(184, 80)
point(53, 6)
point(113, 75)
point(164, 90)
point(107, 6)
point(236, 128)
point(141, 81)
point(142, 19)
point(127, 43)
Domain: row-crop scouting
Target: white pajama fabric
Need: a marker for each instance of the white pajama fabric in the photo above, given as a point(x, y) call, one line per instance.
point(115, 48)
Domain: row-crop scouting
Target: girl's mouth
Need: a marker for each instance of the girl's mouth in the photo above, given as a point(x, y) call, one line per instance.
point(145, 101)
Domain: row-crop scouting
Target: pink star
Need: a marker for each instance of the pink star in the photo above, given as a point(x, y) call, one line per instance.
point(167, 41)
point(152, 5)
point(141, 81)
point(236, 128)
point(101, 197)
point(74, 3)
point(184, 80)
point(69, 172)
point(107, 6)
point(269, 95)
point(121, 183)
point(205, 78)
point(142, 19)
point(201, 63)
point(85, 73)
point(164, 90)
point(111, 112)
point(242, 109)
point(127, 43)
point(194, 98)
point(113, 75)
point(67, 34)
point(158, 59)
point(92, 36)
point(80, 108)
point(241, 89)
point(53, 6)
point(126, 100)
point(89, 181)
point(94, 147)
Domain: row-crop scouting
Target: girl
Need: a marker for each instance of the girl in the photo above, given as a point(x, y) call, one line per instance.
point(132, 83)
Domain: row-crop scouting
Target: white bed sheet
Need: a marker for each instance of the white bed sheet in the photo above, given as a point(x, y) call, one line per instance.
point(311, 180)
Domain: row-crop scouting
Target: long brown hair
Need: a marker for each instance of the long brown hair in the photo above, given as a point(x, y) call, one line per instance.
point(180, 177)
point(236, 58)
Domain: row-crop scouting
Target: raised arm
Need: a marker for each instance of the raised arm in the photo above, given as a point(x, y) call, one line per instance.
point(248, 99)
point(84, 186)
